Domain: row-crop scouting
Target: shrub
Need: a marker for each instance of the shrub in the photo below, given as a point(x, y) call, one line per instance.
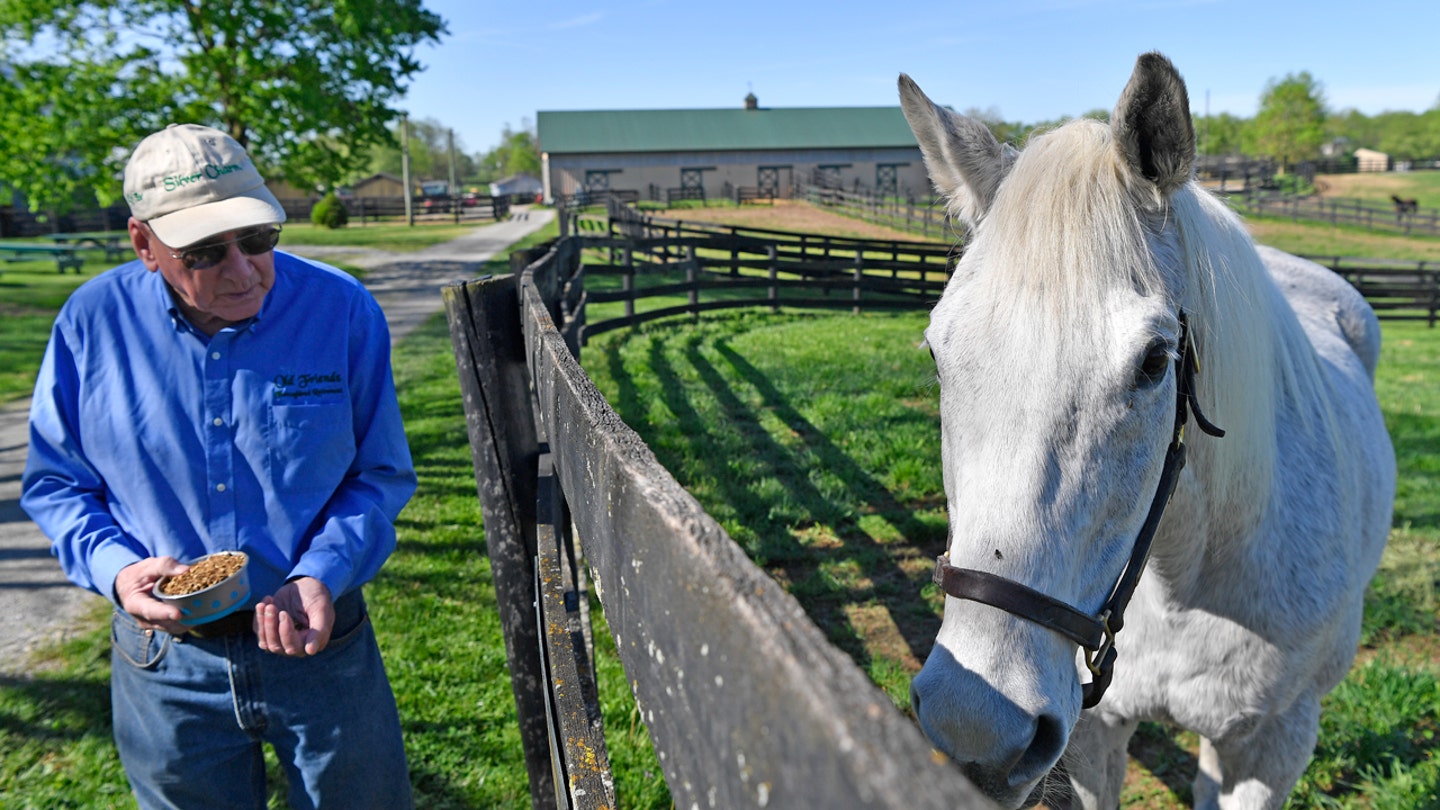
point(330, 212)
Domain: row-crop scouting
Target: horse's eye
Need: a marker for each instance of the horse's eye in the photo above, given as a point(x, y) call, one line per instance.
point(1154, 366)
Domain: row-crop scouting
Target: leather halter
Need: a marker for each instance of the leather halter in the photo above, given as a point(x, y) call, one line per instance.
point(1095, 634)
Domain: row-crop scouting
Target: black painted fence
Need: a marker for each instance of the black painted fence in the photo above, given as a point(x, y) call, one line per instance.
point(1397, 290)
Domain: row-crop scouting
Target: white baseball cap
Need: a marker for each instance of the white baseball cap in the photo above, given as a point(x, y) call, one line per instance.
point(190, 182)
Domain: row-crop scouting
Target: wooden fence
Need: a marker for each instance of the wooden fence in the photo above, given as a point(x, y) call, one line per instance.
point(726, 267)
point(745, 701)
point(1396, 290)
point(1369, 214)
point(927, 218)
point(456, 208)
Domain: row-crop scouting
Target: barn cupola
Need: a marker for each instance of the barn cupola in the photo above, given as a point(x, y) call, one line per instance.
point(751, 102)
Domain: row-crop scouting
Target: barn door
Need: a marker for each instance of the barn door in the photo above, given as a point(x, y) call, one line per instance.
point(887, 179)
point(773, 180)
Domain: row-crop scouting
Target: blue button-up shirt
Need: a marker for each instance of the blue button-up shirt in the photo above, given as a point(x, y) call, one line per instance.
point(279, 436)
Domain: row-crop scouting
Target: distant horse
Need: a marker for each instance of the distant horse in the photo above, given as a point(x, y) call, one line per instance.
point(1104, 303)
point(1403, 207)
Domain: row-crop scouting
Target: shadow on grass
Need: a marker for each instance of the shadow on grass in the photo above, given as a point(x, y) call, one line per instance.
point(1157, 749)
point(1415, 437)
point(767, 488)
point(56, 709)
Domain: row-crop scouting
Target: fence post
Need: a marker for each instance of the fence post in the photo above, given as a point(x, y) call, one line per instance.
point(692, 278)
point(859, 279)
point(627, 281)
point(489, 343)
point(773, 293)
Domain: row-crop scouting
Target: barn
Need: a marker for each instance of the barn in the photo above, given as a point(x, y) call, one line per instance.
point(664, 154)
point(521, 185)
point(382, 184)
point(1369, 160)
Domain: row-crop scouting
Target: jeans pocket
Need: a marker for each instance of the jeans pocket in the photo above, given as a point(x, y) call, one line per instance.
point(346, 636)
point(140, 648)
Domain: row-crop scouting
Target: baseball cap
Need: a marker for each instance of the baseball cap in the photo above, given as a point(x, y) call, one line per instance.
point(189, 182)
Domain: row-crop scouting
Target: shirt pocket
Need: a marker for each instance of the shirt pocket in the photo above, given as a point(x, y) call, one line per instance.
point(310, 446)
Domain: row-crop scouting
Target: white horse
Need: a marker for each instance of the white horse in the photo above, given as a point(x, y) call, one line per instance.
point(1065, 362)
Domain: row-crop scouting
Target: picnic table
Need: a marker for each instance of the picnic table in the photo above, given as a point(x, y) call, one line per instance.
point(66, 256)
point(116, 244)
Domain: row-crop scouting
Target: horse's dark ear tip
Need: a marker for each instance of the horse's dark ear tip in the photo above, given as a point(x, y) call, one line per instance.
point(1155, 60)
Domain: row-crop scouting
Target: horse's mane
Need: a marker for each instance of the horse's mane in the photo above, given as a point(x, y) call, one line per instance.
point(1107, 228)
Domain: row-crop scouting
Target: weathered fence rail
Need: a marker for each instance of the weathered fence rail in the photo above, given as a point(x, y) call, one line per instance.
point(746, 702)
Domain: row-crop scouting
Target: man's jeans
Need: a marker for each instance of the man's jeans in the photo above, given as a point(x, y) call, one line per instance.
point(190, 715)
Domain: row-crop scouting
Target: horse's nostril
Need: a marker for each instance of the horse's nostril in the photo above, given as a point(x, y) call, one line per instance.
point(1045, 749)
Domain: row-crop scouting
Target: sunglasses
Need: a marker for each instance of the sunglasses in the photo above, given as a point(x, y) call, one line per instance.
point(251, 243)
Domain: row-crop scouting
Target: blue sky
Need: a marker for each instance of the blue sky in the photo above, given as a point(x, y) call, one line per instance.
point(1031, 60)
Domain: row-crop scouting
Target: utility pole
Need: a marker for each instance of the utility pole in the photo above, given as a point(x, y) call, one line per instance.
point(405, 167)
point(454, 191)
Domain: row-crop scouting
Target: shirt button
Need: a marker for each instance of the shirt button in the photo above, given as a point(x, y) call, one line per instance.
point(215, 355)
point(218, 421)
point(219, 487)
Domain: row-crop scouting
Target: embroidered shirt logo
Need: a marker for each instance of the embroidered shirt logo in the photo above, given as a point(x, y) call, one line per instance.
point(299, 388)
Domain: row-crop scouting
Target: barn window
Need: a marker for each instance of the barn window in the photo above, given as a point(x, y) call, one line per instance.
point(887, 178)
point(828, 175)
point(598, 179)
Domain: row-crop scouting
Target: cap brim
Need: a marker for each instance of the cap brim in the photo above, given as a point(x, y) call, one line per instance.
point(197, 223)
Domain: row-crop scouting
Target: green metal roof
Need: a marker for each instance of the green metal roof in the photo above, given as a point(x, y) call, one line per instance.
point(592, 131)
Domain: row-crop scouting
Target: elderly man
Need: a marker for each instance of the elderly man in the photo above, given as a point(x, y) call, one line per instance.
point(218, 395)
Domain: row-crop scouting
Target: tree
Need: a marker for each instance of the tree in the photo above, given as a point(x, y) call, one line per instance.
point(1222, 134)
point(1291, 123)
point(429, 153)
point(305, 85)
point(516, 153)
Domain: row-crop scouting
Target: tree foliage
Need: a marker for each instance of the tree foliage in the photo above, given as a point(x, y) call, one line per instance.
point(306, 85)
point(1290, 125)
point(429, 153)
point(517, 153)
point(1223, 134)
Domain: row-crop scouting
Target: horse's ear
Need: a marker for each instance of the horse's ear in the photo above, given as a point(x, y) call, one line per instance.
point(1152, 124)
point(965, 161)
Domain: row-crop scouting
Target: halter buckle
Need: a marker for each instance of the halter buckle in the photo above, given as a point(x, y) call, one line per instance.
point(1095, 659)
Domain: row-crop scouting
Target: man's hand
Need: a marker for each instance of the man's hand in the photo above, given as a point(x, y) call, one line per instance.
point(297, 620)
point(133, 586)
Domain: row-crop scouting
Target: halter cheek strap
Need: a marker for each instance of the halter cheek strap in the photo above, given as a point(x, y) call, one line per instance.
point(1095, 634)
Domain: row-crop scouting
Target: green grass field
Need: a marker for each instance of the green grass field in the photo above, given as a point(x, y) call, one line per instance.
point(824, 466)
point(1423, 187)
point(775, 432)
